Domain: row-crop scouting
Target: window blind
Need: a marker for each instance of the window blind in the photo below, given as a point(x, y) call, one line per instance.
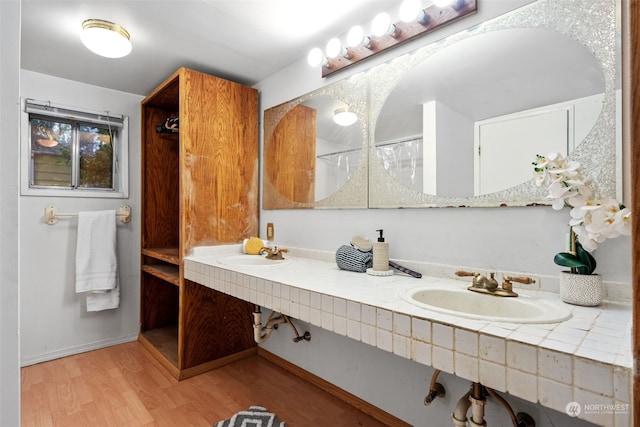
point(71, 113)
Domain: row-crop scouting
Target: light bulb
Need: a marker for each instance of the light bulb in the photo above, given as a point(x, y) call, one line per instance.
point(410, 10)
point(356, 37)
point(334, 48)
point(315, 57)
point(381, 25)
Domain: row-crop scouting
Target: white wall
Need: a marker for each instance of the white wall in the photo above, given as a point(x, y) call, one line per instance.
point(515, 239)
point(9, 220)
point(53, 318)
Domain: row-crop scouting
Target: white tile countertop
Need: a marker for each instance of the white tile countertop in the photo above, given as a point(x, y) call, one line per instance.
point(585, 359)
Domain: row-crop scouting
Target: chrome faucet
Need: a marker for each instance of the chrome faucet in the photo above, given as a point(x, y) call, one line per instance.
point(274, 254)
point(489, 285)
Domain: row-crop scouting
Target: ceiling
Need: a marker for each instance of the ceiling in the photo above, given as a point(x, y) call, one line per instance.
point(241, 40)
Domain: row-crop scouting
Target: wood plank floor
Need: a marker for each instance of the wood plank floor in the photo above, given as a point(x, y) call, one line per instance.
point(124, 386)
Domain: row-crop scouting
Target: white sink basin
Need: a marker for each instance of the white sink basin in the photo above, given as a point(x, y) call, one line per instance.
point(473, 305)
point(251, 261)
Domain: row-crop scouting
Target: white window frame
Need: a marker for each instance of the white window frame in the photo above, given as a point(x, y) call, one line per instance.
point(120, 152)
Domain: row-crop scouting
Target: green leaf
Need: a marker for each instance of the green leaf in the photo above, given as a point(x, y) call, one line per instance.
point(587, 259)
point(567, 259)
point(582, 262)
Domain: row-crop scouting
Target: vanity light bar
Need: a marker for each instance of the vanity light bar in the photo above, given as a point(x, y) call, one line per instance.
point(428, 20)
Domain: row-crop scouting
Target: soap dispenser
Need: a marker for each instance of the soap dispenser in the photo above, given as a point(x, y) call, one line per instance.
point(380, 254)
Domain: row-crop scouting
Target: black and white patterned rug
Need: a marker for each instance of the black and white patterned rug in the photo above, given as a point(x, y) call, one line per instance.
point(255, 416)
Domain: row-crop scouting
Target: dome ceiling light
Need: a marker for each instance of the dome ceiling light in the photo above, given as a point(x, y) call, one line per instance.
point(105, 38)
point(344, 117)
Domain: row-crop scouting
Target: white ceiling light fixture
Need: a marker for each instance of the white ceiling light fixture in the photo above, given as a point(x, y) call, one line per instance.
point(384, 34)
point(105, 38)
point(343, 117)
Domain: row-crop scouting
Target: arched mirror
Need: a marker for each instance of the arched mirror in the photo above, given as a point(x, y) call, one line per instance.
point(458, 123)
point(466, 130)
point(315, 149)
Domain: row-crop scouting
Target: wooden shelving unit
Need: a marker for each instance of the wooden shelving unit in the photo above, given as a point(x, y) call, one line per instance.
point(199, 188)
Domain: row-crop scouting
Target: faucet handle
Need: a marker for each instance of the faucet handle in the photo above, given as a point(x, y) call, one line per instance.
point(506, 281)
point(520, 279)
point(463, 273)
point(478, 279)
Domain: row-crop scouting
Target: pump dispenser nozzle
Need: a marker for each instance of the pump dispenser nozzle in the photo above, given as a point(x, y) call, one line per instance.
point(380, 257)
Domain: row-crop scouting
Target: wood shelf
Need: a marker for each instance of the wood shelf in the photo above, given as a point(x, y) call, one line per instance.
point(169, 273)
point(165, 340)
point(169, 255)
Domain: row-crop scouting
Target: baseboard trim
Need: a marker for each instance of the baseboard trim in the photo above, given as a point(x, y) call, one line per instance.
point(70, 351)
point(345, 396)
point(215, 364)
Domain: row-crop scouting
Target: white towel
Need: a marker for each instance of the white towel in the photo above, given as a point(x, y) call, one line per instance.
point(103, 300)
point(96, 262)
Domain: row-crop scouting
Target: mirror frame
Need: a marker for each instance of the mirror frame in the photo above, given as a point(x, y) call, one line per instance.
point(352, 91)
point(371, 186)
point(598, 153)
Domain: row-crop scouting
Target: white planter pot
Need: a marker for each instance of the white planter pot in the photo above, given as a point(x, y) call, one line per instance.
point(581, 289)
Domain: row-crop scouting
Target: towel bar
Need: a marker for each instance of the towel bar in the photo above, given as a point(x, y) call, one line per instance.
point(51, 214)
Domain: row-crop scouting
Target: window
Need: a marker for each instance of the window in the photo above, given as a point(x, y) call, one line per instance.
point(72, 152)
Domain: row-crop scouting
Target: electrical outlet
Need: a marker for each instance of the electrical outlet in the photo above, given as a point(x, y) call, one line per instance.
point(270, 231)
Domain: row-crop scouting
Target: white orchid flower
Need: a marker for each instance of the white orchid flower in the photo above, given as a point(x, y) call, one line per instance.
point(577, 215)
point(623, 221)
point(587, 240)
point(581, 187)
point(540, 177)
point(578, 201)
point(589, 245)
point(568, 169)
point(600, 225)
point(557, 204)
point(616, 219)
point(552, 157)
point(593, 221)
point(558, 189)
point(541, 162)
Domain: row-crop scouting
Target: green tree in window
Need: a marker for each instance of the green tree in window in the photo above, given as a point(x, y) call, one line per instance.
point(64, 154)
point(96, 158)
